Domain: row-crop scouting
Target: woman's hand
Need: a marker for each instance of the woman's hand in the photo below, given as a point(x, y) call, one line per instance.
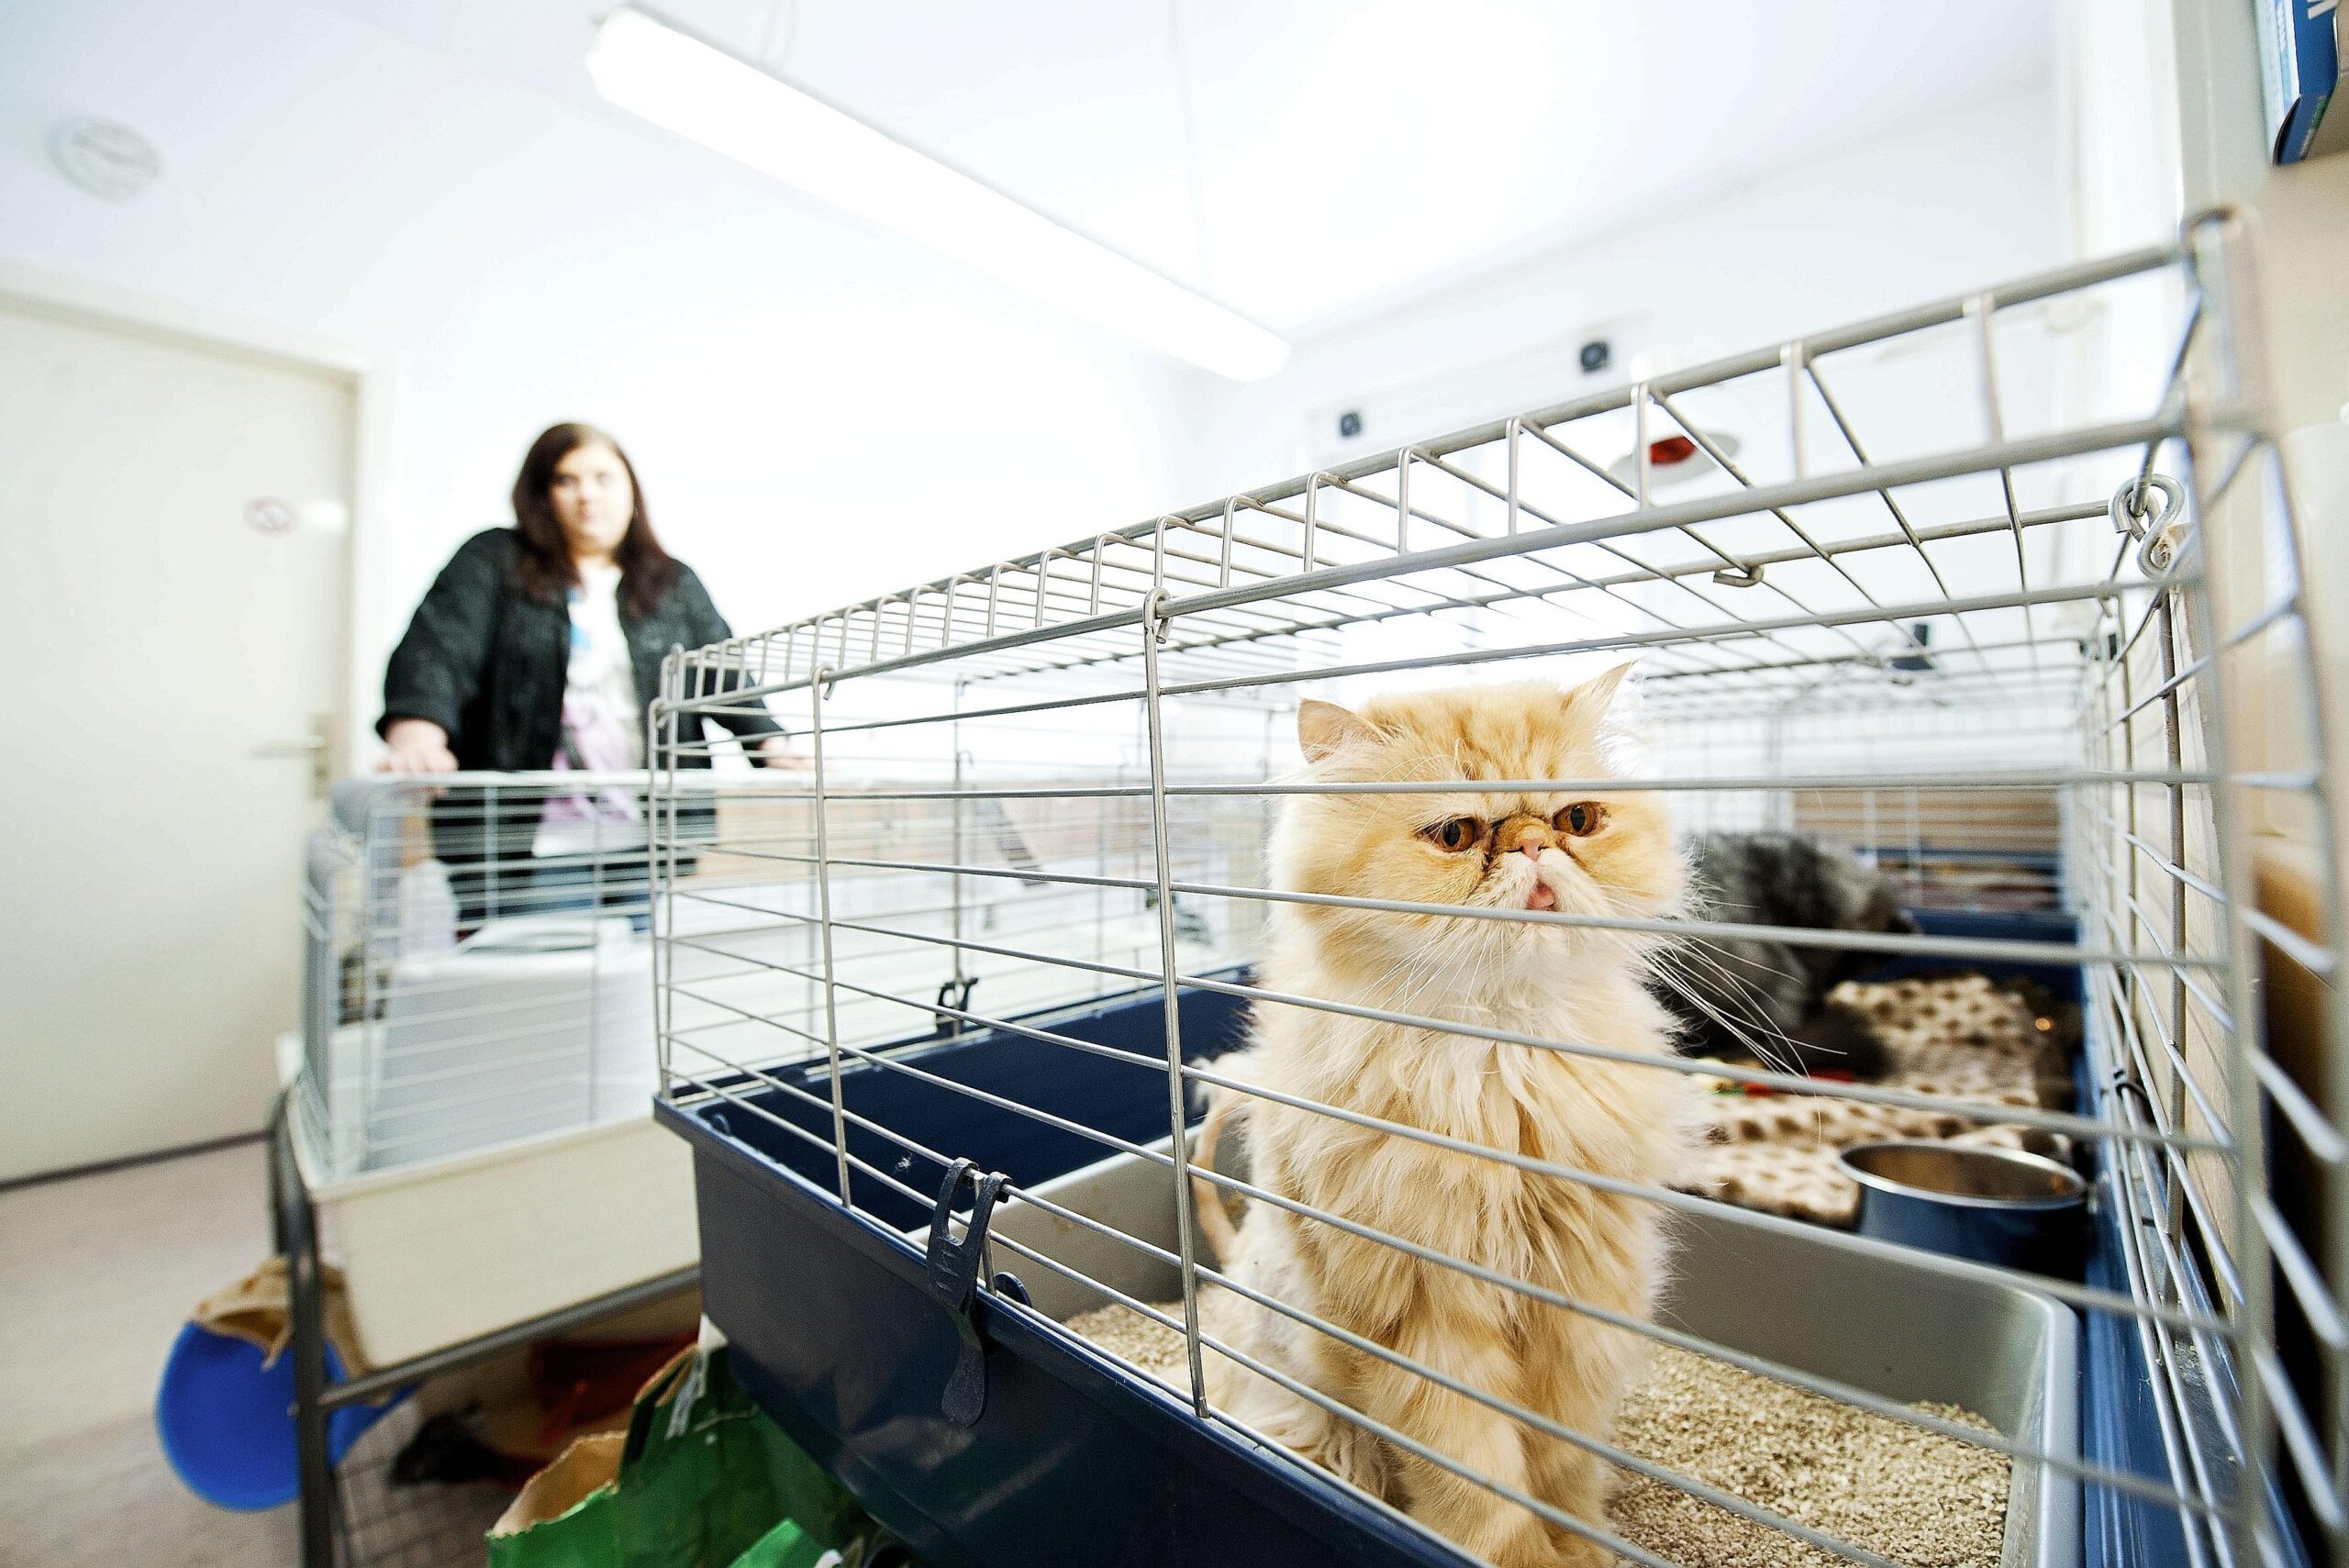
point(782, 751)
point(416, 746)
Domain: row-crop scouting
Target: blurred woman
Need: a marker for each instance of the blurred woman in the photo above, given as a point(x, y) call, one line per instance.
point(539, 647)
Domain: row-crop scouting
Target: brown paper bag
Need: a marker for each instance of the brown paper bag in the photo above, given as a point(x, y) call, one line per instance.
point(589, 1464)
point(259, 1310)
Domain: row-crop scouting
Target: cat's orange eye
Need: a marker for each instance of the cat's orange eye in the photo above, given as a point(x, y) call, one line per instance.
point(1455, 833)
point(1582, 819)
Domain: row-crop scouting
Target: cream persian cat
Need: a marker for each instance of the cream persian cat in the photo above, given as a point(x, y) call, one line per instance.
point(1596, 851)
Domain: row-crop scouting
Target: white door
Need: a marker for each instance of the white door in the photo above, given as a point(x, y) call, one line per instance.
point(170, 643)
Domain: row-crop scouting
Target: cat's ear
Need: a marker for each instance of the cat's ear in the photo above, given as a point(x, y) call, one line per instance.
point(1324, 727)
point(1598, 694)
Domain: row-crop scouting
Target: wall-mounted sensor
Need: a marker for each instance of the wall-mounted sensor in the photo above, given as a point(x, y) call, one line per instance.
point(104, 158)
point(1360, 416)
point(1921, 639)
point(1673, 460)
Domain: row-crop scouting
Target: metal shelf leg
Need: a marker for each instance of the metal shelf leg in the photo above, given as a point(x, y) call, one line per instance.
point(296, 1232)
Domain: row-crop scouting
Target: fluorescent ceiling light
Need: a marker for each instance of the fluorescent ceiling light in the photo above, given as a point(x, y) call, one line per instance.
point(644, 64)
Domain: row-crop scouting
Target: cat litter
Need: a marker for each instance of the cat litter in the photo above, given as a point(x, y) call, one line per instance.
point(1907, 1494)
point(1134, 1339)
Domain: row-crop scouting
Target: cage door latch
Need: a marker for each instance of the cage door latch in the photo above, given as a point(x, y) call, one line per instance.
point(954, 1271)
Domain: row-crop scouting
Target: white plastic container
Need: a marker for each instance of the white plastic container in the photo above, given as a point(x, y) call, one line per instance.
point(532, 1024)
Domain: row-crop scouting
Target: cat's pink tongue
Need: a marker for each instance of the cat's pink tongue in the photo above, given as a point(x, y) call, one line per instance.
point(1540, 897)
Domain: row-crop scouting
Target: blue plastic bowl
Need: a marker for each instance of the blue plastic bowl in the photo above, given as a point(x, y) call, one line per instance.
point(226, 1421)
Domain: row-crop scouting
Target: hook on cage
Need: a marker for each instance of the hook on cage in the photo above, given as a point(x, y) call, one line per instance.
point(2160, 529)
point(2124, 1081)
point(954, 994)
point(2130, 513)
point(1741, 576)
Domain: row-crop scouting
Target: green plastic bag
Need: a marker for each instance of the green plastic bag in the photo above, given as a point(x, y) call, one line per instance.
point(706, 1480)
point(788, 1545)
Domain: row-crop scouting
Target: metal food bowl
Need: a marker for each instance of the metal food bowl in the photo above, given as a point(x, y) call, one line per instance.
point(1998, 1206)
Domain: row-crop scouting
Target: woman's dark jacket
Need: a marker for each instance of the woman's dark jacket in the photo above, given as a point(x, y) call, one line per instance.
point(487, 661)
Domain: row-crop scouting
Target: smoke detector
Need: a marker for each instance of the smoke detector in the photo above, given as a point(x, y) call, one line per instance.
point(105, 158)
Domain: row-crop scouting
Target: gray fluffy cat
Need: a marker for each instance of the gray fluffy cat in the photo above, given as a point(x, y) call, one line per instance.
point(1738, 996)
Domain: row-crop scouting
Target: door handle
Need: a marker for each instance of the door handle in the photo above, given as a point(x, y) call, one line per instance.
point(316, 746)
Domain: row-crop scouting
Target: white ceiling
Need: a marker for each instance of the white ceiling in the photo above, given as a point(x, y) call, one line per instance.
point(1350, 154)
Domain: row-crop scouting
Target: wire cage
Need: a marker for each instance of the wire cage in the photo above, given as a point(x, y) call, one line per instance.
point(1996, 596)
point(466, 1129)
point(477, 967)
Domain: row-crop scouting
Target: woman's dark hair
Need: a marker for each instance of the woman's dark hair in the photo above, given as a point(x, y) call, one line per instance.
point(543, 565)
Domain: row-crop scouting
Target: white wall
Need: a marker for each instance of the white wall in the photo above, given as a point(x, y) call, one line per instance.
point(2302, 213)
point(818, 413)
point(2164, 118)
point(1969, 199)
point(2296, 219)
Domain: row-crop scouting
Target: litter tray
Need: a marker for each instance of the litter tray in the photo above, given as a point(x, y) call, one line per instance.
point(1999, 1350)
point(1071, 1460)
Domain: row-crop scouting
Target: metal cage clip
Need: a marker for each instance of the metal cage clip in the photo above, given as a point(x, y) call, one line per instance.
point(2147, 509)
point(953, 1268)
point(954, 994)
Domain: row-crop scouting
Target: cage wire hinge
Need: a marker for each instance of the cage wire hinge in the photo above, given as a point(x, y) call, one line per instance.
point(2161, 529)
point(951, 1268)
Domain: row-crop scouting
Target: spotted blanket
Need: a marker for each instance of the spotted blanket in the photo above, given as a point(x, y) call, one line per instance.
point(1955, 1038)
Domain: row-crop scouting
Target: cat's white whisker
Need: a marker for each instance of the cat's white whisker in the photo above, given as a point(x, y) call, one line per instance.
point(1763, 1053)
point(1668, 965)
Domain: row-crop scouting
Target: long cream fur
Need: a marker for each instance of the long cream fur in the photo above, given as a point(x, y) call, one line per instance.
point(1616, 1119)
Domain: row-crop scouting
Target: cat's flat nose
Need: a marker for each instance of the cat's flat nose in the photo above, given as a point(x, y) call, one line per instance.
point(1532, 842)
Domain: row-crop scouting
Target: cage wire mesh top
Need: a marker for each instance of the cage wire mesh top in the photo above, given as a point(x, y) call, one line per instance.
point(1997, 593)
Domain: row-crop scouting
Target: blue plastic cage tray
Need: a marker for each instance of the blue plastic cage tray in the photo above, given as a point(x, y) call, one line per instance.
point(843, 1336)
